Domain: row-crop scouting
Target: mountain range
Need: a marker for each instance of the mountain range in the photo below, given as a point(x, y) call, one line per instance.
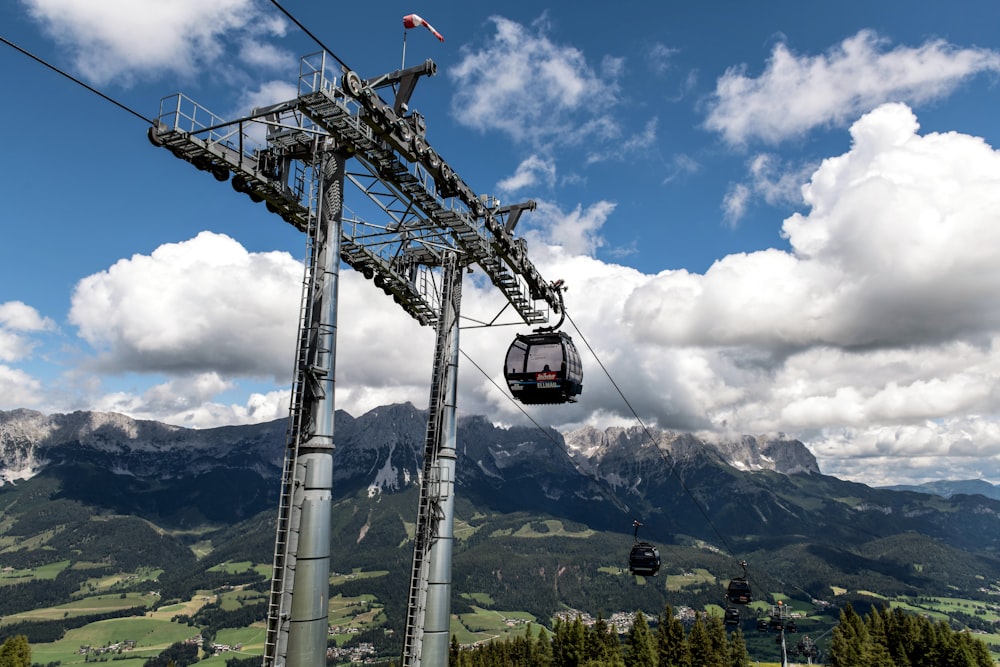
point(708, 505)
point(519, 468)
point(949, 488)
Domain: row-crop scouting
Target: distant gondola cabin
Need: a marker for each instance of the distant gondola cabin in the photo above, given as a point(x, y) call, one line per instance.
point(739, 591)
point(644, 560)
point(543, 367)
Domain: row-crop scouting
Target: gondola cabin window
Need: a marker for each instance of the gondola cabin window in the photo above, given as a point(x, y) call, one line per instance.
point(516, 356)
point(544, 359)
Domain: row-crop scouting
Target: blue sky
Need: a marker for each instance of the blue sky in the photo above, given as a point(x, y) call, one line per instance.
point(772, 217)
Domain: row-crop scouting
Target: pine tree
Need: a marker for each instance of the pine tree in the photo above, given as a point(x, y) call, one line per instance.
point(720, 644)
point(593, 647)
point(878, 634)
point(738, 655)
point(603, 647)
point(896, 636)
point(959, 652)
point(527, 645)
point(542, 650)
point(980, 653)
point(849, 645)
point(913, 637)
point(929, 646)
point(15, 652)
point(560, 638)
point(700, 644)
point(568, 644)
point(671, 646)
point(640, 649)
point(577, 652)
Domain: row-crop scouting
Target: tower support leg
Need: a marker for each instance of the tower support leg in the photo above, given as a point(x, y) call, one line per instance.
point(428, 618)
point(298, 616)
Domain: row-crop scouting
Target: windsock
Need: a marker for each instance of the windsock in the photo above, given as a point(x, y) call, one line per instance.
point(412, 21)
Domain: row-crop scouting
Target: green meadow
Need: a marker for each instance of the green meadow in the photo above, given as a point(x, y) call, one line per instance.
point(488, 624)
point(151, 636)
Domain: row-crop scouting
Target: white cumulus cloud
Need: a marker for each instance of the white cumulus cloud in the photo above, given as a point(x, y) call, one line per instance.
point(121, 39)
point(576, 232)
point(875, 339)
point(206, 313)
point(889, 254)
point(17, 322)
point(18, 389)
point(205, 304)
point(533, 89)
point(193, 402)
point(833, 88)
point(532, 171)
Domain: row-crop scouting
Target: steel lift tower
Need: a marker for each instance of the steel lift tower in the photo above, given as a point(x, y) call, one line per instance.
point(780, 613)
point(297, 156)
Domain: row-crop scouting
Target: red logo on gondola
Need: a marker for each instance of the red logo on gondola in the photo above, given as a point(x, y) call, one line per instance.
point(542, 377)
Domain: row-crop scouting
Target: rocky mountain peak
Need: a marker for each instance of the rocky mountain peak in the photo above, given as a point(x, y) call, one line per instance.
point(746, 453)
point(383, 449)
point(30, 440)
point(776, 452)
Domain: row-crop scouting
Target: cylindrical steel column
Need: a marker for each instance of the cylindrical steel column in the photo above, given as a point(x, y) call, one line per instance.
point(437, 622)
point(309, 583)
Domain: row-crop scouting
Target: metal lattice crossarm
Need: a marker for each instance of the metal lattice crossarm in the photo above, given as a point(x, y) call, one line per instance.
point(428, 209)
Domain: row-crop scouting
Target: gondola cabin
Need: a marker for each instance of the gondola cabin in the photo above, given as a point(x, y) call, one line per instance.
point(543, 367)
point(644, 559)
point(732, 616)
point(739, 591)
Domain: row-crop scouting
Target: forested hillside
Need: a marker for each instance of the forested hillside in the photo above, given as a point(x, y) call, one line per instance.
point(538, 534)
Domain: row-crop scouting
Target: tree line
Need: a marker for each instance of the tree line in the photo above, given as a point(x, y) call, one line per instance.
point(893, 638)
point(44, 632)
point(573, 644)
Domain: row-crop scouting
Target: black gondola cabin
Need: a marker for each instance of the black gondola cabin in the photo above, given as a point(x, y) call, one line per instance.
point(644, 560)
point(739, 591)
point(543, 367)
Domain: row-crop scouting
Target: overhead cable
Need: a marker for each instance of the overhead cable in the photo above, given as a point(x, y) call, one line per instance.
point(76, 80)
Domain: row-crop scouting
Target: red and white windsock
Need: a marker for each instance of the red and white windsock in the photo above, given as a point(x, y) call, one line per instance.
point(412, 21)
